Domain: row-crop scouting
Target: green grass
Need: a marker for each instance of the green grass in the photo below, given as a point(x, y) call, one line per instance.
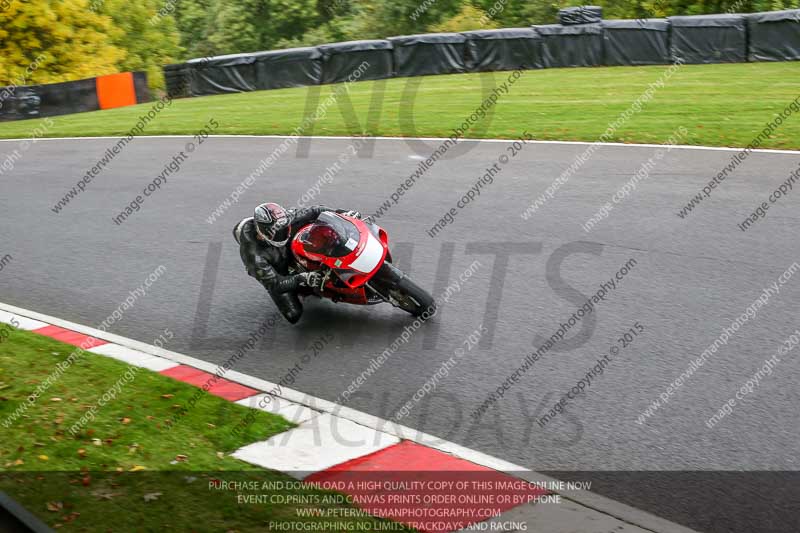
point(720, 105)
point(125, 471)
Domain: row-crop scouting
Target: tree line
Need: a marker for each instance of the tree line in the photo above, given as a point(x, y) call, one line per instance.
point(73, 39)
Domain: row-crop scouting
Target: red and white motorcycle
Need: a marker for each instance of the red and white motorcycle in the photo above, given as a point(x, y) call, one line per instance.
point(353, 256)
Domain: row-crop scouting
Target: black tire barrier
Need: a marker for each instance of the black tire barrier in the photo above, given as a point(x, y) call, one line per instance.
point(234, 73)
point(372, 60)
point(281, 69)
point(571, 46)
point(505, 49)
point(429, 53)
point(636, 42)
point(709, 39)
point(772, 36)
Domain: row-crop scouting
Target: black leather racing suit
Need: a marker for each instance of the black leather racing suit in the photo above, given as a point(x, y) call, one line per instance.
point(270, 265)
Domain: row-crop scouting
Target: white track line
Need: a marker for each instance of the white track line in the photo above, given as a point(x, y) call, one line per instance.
point(591, 500)
point(440, 139)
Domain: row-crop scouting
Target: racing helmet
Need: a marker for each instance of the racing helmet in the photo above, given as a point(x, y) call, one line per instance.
point(273, 224)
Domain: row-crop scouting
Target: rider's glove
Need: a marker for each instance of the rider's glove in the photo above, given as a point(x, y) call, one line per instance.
point(311, 279)
point(354, 214)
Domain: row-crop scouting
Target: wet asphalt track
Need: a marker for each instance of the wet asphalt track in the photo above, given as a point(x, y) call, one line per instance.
point(692, 277)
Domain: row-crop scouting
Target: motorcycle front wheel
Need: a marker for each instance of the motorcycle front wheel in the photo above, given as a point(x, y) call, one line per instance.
point(398, 289)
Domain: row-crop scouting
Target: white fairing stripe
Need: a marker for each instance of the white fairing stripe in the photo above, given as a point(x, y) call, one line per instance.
point(370, 256)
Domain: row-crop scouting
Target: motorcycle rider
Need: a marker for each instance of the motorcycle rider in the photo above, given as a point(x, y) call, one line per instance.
point(264, 241)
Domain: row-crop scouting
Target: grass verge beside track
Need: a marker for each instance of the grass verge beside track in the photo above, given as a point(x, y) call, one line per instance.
point(720, 105)
point(125, 471)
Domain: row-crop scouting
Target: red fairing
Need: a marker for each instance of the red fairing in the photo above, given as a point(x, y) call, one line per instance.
point(345, 244)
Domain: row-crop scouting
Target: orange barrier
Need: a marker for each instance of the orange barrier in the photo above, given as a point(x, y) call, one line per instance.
point(115, 90)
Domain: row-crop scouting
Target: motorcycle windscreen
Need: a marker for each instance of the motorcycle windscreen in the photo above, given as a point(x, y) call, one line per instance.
point(331, 236)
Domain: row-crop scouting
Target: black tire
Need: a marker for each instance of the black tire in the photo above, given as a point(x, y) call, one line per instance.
point(409, 296)
point(413, 298)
